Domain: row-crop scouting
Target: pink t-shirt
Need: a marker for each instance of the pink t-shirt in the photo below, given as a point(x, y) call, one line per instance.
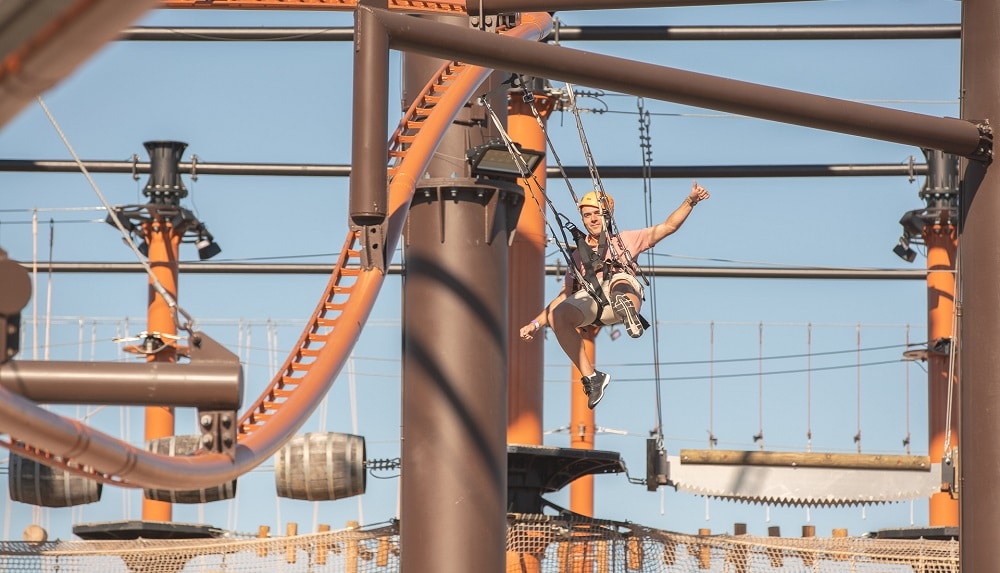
point(635, 242)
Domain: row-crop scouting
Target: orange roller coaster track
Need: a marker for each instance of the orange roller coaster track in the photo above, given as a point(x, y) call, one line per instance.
point(456, 6)
point(312, 366)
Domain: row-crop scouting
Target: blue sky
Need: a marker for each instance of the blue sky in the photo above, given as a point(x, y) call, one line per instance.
point(285, 102)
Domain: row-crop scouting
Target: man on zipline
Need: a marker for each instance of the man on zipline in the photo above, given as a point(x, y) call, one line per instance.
point(577, 307)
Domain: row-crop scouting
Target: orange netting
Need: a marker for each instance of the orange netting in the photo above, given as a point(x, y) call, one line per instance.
point(535, 543)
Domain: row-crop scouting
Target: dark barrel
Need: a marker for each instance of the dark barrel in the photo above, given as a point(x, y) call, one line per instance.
point(183, 446)
point(38, 484)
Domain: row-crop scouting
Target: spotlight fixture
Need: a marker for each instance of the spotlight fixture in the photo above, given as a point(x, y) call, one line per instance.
point(493, 159)
point(207, 247)
point(903, 250)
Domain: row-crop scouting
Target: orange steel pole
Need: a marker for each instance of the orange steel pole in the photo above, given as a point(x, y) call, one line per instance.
point(941, 241)
point(581, 423)
point(525, 295)
point(164, 245)
point(525, 286)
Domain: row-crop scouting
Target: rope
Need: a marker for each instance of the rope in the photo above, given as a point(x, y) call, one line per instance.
point(34, 284)
point(906, 441)
point(530, 178)
point(155, 282)
point(646, 147)
point(610, 227)
point(857, 437)
point(711, 386)
point(760, 385)
point(48, 291)
point(953, 351)
point(809, 433)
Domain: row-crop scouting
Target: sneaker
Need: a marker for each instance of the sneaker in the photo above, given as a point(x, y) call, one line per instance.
point(630, 318)
point(593, 387)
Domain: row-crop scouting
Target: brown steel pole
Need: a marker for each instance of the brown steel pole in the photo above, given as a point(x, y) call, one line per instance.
point(526, 282)
point(979, 266)
point(164, 245)
point(582, 431)
point(454, 408)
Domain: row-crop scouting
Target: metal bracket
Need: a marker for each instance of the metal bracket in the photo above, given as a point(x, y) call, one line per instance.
point(372, 239)
point(657, 466)
point(949, 473)
point(218, 431)
point(491, 23)
point(13, 298)
point(984, 151)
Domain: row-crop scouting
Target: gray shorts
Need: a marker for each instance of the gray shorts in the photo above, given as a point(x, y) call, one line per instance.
point(582, 300)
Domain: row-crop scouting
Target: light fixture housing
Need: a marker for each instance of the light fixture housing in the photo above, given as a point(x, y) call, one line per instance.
point(207, 247)
point(493, 159)
point(903, 250)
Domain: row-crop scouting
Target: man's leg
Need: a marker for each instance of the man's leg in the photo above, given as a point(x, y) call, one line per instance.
point(565, 319)
point(625, 301)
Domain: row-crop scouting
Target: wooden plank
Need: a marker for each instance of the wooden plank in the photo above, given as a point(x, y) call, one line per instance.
point(806, 459)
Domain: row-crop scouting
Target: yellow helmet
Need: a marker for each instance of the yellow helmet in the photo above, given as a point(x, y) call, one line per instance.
point(593, 199)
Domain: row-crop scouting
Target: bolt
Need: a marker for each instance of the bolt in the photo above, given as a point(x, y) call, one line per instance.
point(207, 441)
point(227, 420)
point(206, 421)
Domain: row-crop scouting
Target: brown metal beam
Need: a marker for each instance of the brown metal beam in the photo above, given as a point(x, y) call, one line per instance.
point(572, 171)
point(563, 33)
point(765, 33)
point(690, 88)
point(45, 41)
point(511, 6)
point(369, 195)
point(455, 7)
point(204, 386)
point(799, 273)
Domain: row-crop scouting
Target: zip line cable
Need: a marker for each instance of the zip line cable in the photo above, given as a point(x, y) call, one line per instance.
point(176, 310)
point(610, 227)
point(646, 151)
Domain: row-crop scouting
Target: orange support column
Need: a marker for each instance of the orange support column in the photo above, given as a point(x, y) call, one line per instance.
point(941, 241)
point(581, 491)
point(164, 246)
point(526, 294)
point(525, 287)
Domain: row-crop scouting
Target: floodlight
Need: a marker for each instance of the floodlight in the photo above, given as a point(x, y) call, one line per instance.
point(207, 247)
point(493, 159)
point(903, 250)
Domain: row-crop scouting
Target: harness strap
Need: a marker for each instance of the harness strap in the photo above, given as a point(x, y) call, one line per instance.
point(592, 261)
